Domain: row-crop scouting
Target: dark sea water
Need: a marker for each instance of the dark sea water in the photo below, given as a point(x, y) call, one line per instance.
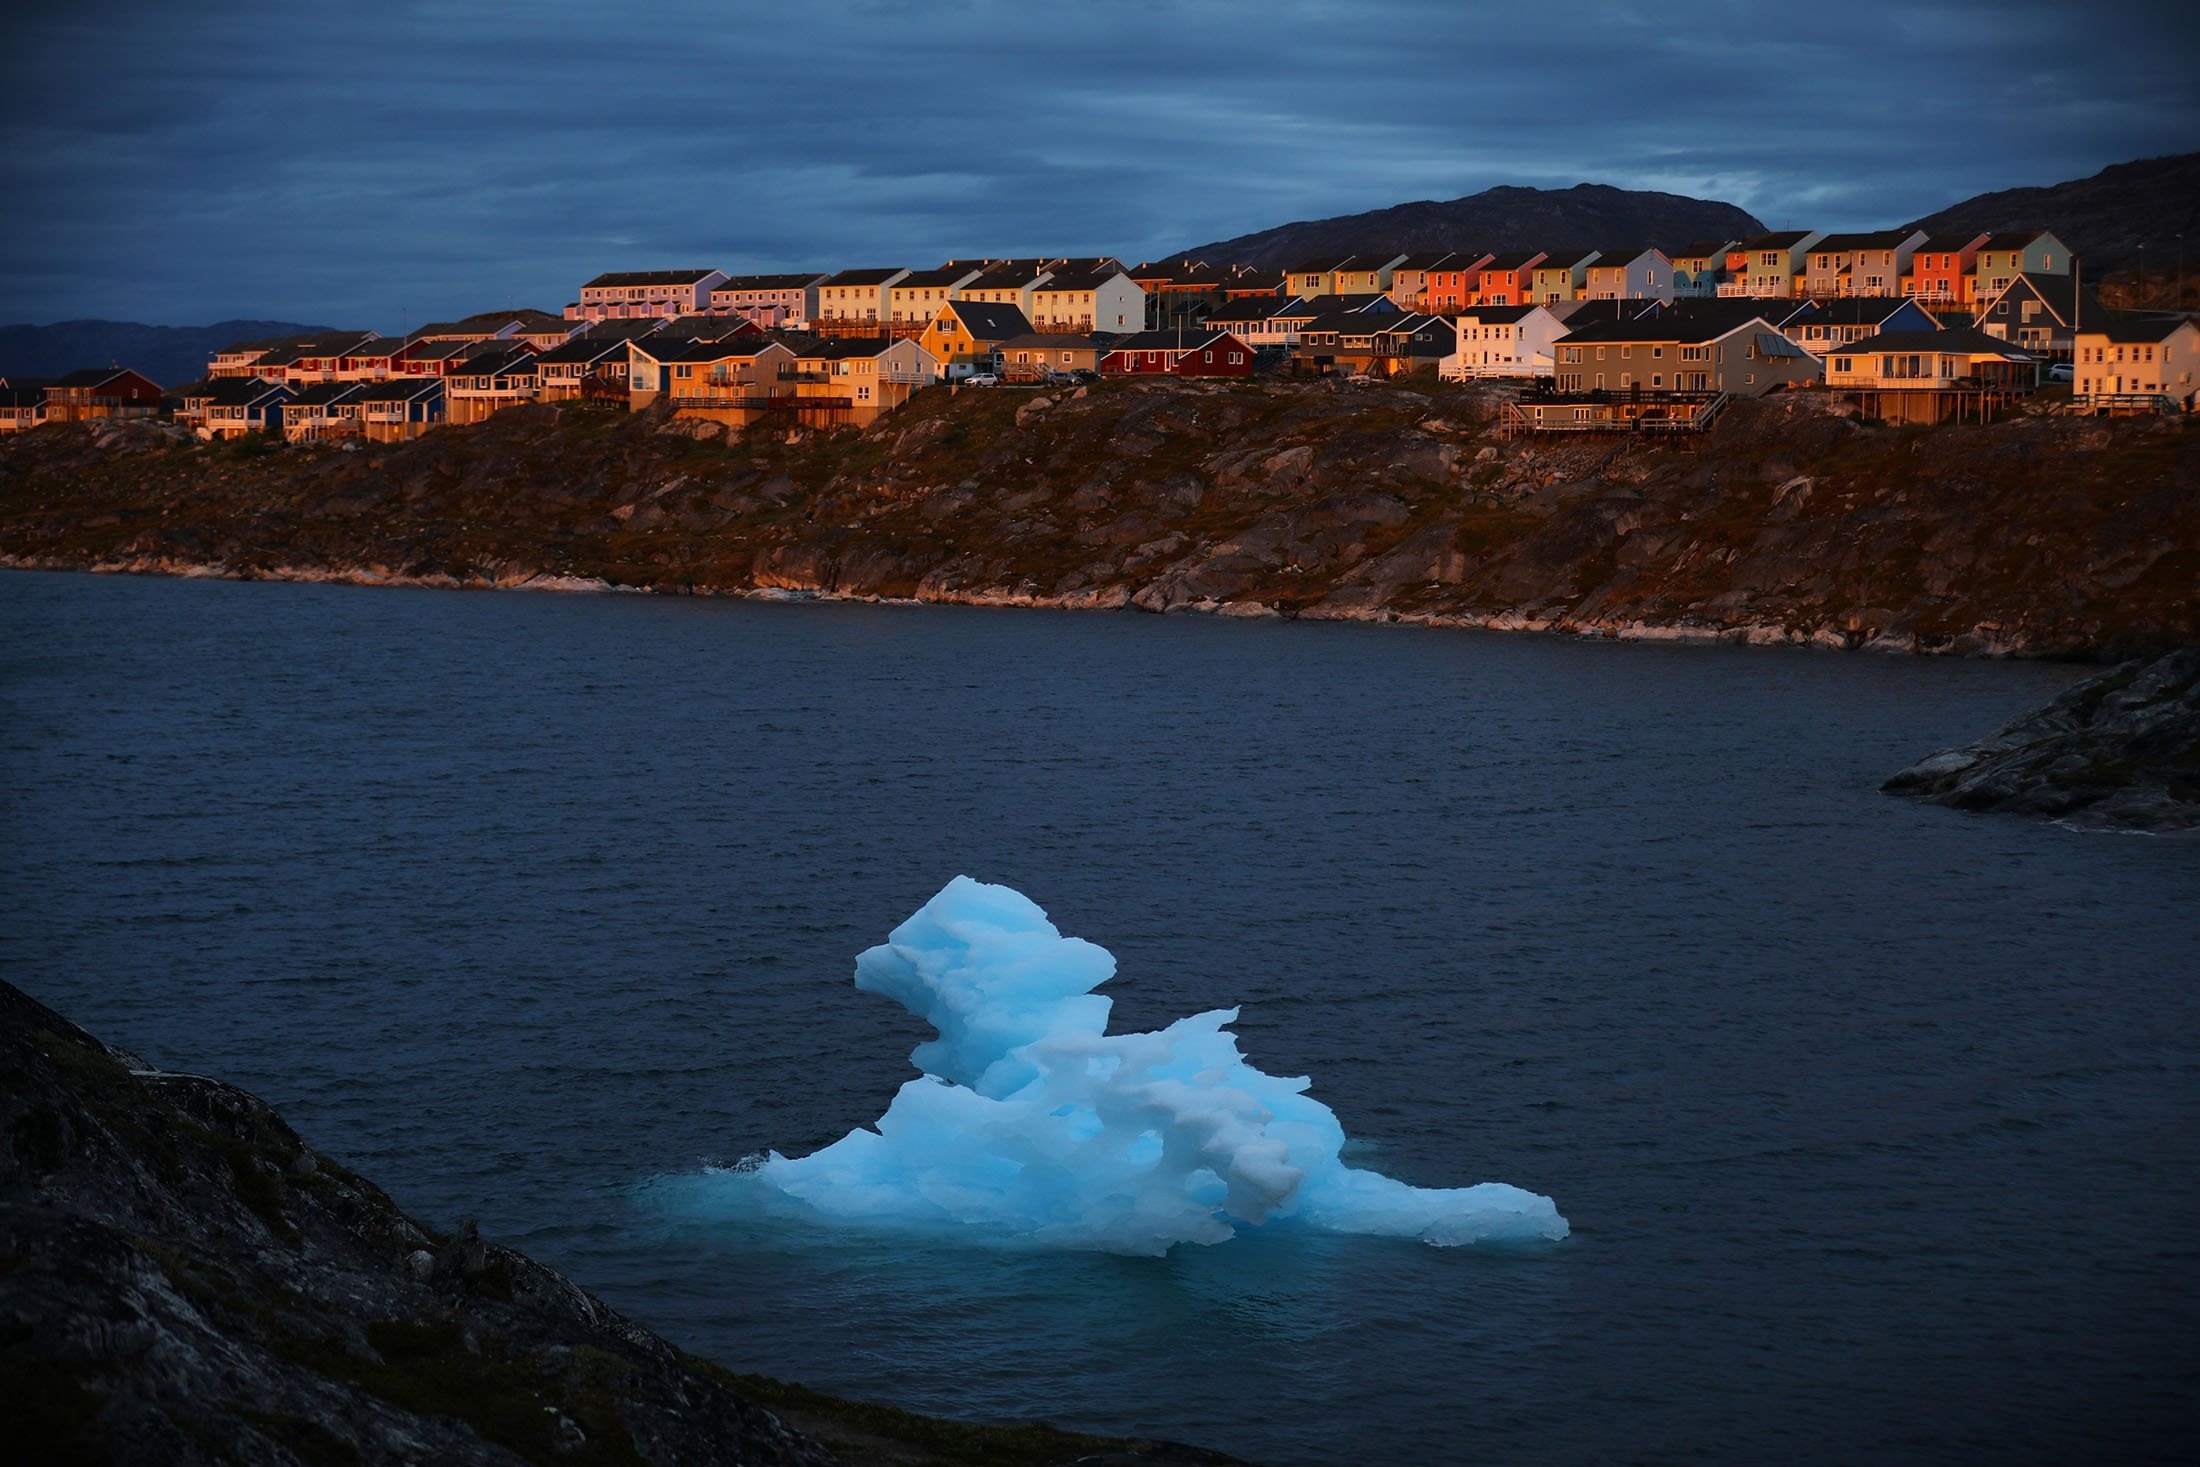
point(1878, 1125)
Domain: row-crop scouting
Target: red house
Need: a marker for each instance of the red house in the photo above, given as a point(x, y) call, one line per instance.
point(101, 392)
point(1507, 280)
point(1170, 353)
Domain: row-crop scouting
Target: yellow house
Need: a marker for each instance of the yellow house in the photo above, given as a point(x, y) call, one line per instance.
point(915, 299)
point(2138, 364)
point(1562, 277)
point(2016, 252)
point(965, 336)
point(853, 303)
point(736, 381)
point(854, 381)
point(1931, 376)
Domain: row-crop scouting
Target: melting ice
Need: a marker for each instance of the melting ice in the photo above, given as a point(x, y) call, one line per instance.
point(1032, 1123)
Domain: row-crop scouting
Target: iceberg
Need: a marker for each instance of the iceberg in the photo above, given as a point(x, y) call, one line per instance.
point(1032, 1124)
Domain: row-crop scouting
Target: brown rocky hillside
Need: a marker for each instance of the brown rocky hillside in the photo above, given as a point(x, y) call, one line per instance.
point(1788, 523)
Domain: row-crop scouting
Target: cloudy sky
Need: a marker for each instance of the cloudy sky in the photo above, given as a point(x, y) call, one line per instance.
point(380, 165)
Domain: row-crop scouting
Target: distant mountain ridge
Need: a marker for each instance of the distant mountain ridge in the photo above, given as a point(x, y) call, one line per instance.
point(2104, 219)
point(1591, 215)
point(170, 355)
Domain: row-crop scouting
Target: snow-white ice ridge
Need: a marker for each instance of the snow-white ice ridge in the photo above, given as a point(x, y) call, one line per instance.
point(1032, 1124)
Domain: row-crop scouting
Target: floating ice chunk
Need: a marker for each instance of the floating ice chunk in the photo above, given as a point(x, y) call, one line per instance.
point(1032, 1123)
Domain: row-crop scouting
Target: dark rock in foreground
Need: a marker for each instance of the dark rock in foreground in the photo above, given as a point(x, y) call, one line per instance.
point(2118, 752)
point(183, 1280)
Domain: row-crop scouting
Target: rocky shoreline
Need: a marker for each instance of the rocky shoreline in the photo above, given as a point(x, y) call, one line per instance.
point(1790, 525)
point(183, 1280)
point(2120, 751)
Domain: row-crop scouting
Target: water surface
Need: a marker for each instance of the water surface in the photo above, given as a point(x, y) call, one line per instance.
point(1876, 1123)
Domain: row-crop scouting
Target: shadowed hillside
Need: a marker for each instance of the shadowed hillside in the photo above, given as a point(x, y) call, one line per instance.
point(1595, 215)
point(2104, 219)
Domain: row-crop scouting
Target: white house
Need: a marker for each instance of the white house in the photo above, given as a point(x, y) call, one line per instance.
point(1503, 341)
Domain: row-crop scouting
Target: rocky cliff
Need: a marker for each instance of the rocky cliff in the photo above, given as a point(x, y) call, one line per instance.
point(182, 1280)
point(1789, 523)
point(2117, 752)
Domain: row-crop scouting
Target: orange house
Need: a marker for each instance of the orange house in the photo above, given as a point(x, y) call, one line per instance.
point(1450, 285)
point(1940, 271)
point(1507, 279)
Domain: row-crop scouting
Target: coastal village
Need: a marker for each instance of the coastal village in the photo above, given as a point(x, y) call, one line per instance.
point(1910, 328)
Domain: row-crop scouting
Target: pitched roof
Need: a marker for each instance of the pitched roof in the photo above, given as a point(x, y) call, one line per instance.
point(945, 275)
point(705, 351)
point(1778, 239)
point(2068, 301)
point(1495, 315)
point(399, 389)
point(850, 346)
point(237, 391)
point(1325, 265)
point(22, 397)
point(1079, 279)
point(1515, 260)
point(650, 277)
point(1951, 244)
point(584, 349)
point(495, 363)
point(863, 277)
point(1855, 310)
point(1055, 341)
point(89, 377)
point(2141, 328)
point(625, 329)
point(1258, 308)
point(1877, 239)
point(1701, 249)
point(990, 320)
point(1959, 339)
point(797, 281)
point(321, 394)
point(1678, 327)
point(1167, 340)
point(2012, 239)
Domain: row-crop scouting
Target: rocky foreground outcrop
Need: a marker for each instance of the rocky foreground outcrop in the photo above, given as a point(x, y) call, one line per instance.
point(1789, 523)
point(182, 1280)
point(2117, 752)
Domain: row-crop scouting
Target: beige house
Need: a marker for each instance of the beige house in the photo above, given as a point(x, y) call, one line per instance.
point(488, 383)
point(854, 302)
point(1871, 264)
point(738, 381)
point(1710, 351)
point(1006, 282)
point(1039, 355)
point(1644, 275)
point(1931, 376)
point(854, 381)
point(913, 302)
point(1078, 300)
point(2157, 358)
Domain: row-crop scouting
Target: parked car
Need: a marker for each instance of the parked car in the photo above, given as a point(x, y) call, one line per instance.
point(982, 379)
point(2059, 372)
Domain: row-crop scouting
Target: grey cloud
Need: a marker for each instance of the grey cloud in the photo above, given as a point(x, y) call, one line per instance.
point(390, 164)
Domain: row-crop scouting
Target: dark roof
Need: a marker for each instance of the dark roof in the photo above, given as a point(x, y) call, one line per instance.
point(1514, 260)
point(1700, 249)
point(271, 342)
point(439, 351)
point(1427, 260)
point(91, 376)
point(1368, 301)
point(398, 389)
point(584, 349)
point(1166, 340)
point(1779, 310)
point(1949, 244)
point(495, 363)
point(1959, 339)
point(1055, 341)
point(1005, 273)
point(22, 397)
point(625, 329)
point(650, 277)
point(769, 282)
point(704, 351)
point(1877, 239)
point(234, 391)
point(1327, 264)
point(945, 275)
point(2142, 328)
point(321, 394)
point(1778, 239)
point(704, 328)
point(848, 346)
point(1666, 326)
point(1258, 308)
point(990, 319)
point(2012, 239)
point(1080, 279)
point(1569, 257)
point(1854, 310)
point(863, 277)
point(1496, 315)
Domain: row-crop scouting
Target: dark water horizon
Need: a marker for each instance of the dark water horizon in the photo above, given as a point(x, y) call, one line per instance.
point(1876, 1123)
